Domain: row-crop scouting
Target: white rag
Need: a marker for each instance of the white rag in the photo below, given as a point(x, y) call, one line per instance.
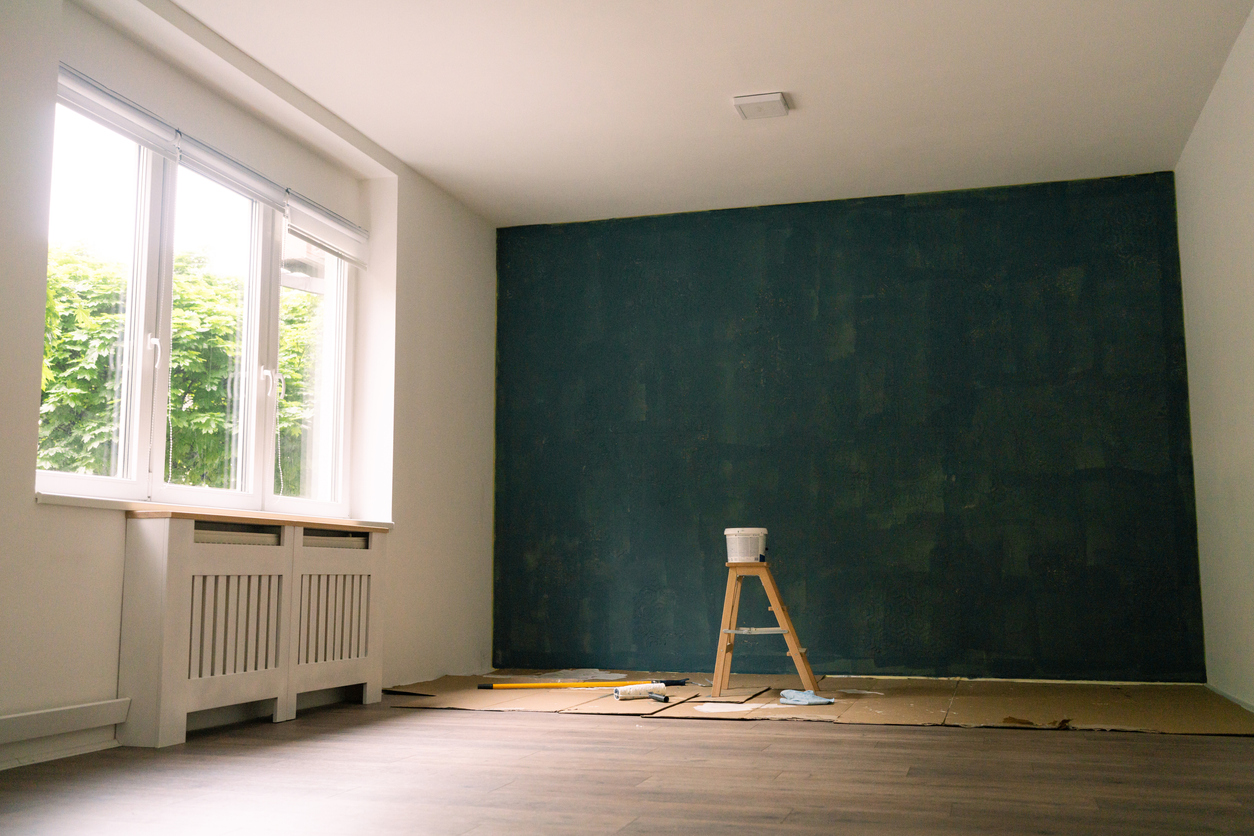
point(803, 698)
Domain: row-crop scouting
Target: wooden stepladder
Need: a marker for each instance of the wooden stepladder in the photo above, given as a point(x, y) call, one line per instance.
point(736, 573)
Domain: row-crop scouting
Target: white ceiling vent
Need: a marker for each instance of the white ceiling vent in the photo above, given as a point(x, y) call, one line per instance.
point(761, 106)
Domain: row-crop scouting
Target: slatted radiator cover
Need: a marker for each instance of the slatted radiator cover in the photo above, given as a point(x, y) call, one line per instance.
point(236, 624)
point(334, 618)
point(229, 611)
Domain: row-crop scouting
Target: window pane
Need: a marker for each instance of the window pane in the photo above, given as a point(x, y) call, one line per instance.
point(310, 321)
point(92, 238)
point(207, 408)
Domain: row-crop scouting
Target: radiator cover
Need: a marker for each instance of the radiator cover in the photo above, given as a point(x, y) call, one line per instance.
point(213, 618)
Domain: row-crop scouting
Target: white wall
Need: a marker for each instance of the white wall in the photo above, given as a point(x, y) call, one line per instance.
point(439, 613)
point(1215, 204)
point(433, 266)
point(60, 568)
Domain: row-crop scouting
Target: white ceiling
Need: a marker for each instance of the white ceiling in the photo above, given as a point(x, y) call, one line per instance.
point(539, 111)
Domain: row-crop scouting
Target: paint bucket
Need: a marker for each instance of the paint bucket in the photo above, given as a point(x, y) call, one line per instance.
point(746, 545)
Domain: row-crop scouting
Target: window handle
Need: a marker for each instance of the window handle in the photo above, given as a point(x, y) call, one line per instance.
point(155, 345)
point(269, 376)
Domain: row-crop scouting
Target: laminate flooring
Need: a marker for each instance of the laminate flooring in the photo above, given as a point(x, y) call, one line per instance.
point(376, 770)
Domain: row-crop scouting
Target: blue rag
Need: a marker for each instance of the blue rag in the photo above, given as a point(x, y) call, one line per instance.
point(803, 698)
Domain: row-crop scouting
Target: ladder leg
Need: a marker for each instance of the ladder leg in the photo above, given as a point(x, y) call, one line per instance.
point(732, 622)
point(726, 641)
point(795, 650)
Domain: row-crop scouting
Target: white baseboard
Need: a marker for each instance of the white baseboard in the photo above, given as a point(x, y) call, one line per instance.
point(56, 746)
point(70, 718)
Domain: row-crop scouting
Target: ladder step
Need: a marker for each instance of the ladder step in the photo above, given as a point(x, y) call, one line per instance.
point(757, 631)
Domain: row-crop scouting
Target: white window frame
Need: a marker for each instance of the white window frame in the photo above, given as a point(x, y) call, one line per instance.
point(148, 335)
point(340, 454)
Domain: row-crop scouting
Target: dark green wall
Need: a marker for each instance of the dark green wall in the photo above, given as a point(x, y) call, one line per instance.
point(962, 416)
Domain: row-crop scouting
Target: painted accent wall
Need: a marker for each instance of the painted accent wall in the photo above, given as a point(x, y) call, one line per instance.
point(1215, 179)
point(962, 416)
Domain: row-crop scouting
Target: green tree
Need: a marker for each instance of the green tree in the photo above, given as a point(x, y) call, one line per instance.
point(84, 330)
point(202, 420)
point(300, 327)
point(84, 365)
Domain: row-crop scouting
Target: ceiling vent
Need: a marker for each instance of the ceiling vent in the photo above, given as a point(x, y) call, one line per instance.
point(761, 106)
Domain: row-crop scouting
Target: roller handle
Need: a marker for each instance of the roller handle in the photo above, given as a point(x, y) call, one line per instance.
point(487, 686)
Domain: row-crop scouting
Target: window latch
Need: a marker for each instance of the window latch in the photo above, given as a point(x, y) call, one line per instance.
point(155, 345)
point(269, 378)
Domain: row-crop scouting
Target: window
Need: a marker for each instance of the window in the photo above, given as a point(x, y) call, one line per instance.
point(207, 401)
point(195, 346)
point(89, 360)
point(310, 380)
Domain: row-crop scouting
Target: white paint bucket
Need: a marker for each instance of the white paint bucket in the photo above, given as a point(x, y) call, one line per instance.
point(745, 545)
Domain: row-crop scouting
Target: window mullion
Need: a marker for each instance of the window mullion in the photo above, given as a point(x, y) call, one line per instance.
point(143, 327)
point(269, 381)
point(157, 354)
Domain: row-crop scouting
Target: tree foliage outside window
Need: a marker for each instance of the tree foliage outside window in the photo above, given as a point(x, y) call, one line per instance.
point(202, 418)
point(84, 329)
point(300, 328)
point(84, 347)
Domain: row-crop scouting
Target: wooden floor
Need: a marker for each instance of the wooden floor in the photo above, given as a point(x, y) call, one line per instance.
point(379, 770)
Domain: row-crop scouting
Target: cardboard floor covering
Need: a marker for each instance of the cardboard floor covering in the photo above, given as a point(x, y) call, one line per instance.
point(1166, 708)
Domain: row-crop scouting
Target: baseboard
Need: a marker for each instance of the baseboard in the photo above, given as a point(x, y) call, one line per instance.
point(1248, 706)
point(56, 746)
point(30, 725)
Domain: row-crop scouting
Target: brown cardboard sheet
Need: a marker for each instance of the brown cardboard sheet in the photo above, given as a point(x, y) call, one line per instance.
point(558, 699)
point(463, 692)
point(778, 681)
point(905, 701)
point(1189, 709)
point(542, 700)
point(735, 695)
point(1171, 708)
point(468, 699)
point(693, 710)
point(846, 685)
point(1046, 705)
point(635, 708)
point(1167, 707)
point(773, 709)
point(443, 685)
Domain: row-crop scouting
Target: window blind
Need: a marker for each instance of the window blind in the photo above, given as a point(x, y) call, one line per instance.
point(323, 228)
point(306, 220)
point(230, 172)
point(116, 112)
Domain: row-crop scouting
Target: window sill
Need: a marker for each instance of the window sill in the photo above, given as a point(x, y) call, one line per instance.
point(139, 508)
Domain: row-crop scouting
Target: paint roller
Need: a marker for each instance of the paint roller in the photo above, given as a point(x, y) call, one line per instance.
point(651, 690)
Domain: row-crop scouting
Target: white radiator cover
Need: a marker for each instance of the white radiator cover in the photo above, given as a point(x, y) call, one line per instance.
point(209, 624)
